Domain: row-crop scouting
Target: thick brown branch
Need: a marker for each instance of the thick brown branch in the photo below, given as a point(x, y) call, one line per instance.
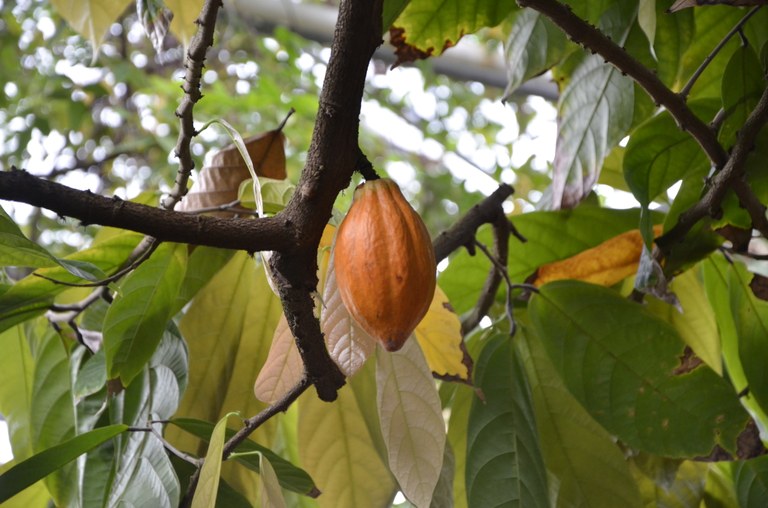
point(245, 234)
point(200, 43)
point(594, 40)
point(733, 170)
point(463, 232)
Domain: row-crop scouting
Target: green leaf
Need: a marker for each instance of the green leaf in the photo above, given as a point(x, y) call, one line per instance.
point(18, 364)
point(429, 24)
point(17, 250)
point(535, 44)
point(32, 295)
point(646, 18)
point(457, 440)
point(743, 84)
point(551, 236)
point(695, 321)
point(269, 488)
point(91, 18)
point(590, 468)
point(504, 463)
point(203, 263)
point(443, 495)
point(290, 476)
point(135, 321)
point(229, 346)
point(596, 109)
point(92, 376)
point(227, 497)
point(659, 154)
point(208, 486)
point(411, 420)
point(333, 439)
point(390, 11)
point(666, 408)
point(750, 478)
point(44, 463)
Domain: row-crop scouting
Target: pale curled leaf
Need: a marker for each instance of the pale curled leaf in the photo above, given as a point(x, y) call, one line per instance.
point(283, 368)
point(440, 339)
point(208, 485)
point(411, 421)
point(269, 487)
point(185, 13)
point(348, 344)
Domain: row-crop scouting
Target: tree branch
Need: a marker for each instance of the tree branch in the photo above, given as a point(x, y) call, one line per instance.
point(200, 43)
point(463, 232)
point(594, 40)
point(733, 170)
point(243, 234)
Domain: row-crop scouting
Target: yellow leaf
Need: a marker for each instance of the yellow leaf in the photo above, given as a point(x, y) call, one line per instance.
point(91, 18)
point(269, 487)
point(228, 328)
point(185, 12)
point(439, 335)
point(608, 263)
point(208, 486)
point(283, 368)
point(337, 450)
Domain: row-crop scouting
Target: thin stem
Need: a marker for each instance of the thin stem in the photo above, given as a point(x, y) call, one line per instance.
point(711, 56)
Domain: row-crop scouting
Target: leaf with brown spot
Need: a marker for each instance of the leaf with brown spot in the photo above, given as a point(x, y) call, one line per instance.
point(218, 183)
point(606, 264)
point(759, 286)
point(688, 362)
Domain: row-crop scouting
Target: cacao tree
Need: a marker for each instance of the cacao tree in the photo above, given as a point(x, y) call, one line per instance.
point(177, 324)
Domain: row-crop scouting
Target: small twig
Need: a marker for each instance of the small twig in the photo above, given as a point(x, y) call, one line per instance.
point(711, 56)
point(195, 461)
point(285, 121)
point(364, 166)
point(144, 254)
point(509, 307)
point(79, 307)
point(752, 204)
point(251, 424)
point(226, 207)
point(199, 45)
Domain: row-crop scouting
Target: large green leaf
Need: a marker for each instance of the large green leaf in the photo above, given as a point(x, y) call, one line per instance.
point(44, 463)
point(32, 295)
point(743, 84)
point(504, 462)
point(333, 439)
point(596, 110)
point(750, 478)
point(228, 328)
point(659, 154)
point(290, 476)
point(52, 412)
point(591, 470)
point(135, 321)
point(203, 263)
point(535, 44)
point(17, 250)
point(551, 236)
point(711, 24)
point(430, 25)
point(603, 345)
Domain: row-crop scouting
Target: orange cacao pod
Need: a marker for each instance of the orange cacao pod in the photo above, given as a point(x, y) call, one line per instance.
point(385, 263)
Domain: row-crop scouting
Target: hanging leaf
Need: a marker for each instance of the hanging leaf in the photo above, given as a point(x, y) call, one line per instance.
point(590, 468)
point(596, 110)
point(208, 486)
point(646, 18)
point(271, 495)
point(91, 18)
point(630, 351)
point(743, 83)
point(136, 319)
point(535, 44)
point(504, 463)
point(411, 421)
point(750, 481)
point(334, 443)
point(440, 339)
point(155, 18)
point(606, 264)
point(347, 343)
point(44, 463)
point(283, 369)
